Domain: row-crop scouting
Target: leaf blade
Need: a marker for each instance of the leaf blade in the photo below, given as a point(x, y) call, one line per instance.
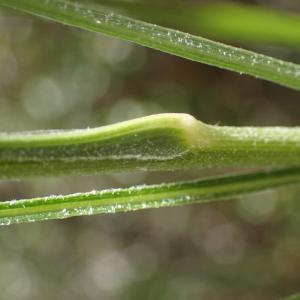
point(225, 21)
point(164, 39)
point(144, 197)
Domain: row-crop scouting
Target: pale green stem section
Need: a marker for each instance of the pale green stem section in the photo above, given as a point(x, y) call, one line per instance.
point(157, 142)
point(142, 197)
point(164, 39)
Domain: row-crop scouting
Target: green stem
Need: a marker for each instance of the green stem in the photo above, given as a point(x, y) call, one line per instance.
point(158, 142)
point(164, 39)
point(142, 197)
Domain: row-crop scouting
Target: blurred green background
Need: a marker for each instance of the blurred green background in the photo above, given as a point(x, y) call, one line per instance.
point(53, 76)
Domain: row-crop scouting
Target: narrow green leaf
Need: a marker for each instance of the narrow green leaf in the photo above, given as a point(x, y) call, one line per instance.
point(142, 197)
point(164, 39)
point(157, 142)
point(226, 21)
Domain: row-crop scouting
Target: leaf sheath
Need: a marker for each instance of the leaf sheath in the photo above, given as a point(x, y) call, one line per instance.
point(157, 142)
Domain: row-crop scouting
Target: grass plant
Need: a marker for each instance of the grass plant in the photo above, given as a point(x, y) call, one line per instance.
point(159, 142)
